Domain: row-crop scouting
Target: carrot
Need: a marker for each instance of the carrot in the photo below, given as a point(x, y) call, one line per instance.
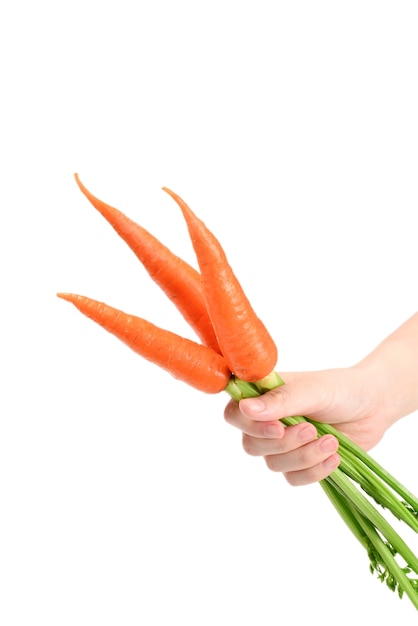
point(245, 343)
point(180, 282)
point(197, 365)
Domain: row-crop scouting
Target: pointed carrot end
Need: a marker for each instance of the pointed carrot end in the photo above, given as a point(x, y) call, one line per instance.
point(79, 183)
point(70, 297)
point(174, 195)
point(181, 203)
point(170, 193)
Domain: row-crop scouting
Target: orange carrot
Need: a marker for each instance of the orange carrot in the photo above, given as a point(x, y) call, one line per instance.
point(197, 365)
point(245, 343)
point(179, 281)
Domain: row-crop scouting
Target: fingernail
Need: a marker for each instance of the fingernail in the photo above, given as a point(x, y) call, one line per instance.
point(332, 462)
point(306, 434)
point(274, 431)
point(255, 405)
point(328, 444)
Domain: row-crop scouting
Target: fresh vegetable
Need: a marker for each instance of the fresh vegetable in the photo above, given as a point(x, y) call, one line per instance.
point(358, 473)
point(195, 364)
point(245, 342)
point(362, 491)
point(180, 282)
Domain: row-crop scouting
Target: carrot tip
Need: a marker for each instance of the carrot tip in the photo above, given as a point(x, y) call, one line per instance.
point(66, 296)
point(170, 193)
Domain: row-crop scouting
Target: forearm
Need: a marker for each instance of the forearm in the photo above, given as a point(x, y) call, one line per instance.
point(393, 368)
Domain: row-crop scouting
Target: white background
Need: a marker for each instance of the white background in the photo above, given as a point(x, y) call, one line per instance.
point(291, 128)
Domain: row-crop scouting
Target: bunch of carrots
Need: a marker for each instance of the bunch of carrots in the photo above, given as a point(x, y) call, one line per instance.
point(236, 354)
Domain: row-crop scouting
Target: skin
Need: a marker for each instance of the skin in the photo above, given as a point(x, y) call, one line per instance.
point(362, 401)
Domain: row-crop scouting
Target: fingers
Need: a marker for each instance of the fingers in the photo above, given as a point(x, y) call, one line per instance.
point(291, 399)
point(303, 457)
point(270, 428)
point(293, 438)
point(296, 451)
point(313, 474)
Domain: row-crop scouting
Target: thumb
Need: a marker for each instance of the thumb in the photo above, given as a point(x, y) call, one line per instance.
point(301, 395)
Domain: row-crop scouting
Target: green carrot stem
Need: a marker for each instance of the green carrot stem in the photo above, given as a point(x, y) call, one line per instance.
point(345, 510)
point(359, 514)
point(368, 461)
point(381, 556)
point(239, 389)
point(375, 517)
point(354, 460)
point(376, 488)
point(271, 381)
point(395, 575)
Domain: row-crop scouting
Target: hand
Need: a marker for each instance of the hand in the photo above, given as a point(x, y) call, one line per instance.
point(342, 397)
point(362, 401)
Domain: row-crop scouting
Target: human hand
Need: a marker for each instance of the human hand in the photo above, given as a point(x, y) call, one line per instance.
point(342, 397)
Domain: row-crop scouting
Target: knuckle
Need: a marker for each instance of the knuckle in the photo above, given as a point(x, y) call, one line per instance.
point(306, 476)
point(303, 457)
point(281, 395)
point(296, 479)
point(271, 463)
point(248, 443)
point(230, 412)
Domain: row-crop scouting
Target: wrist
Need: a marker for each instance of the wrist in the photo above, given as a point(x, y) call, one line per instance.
point(391, 373)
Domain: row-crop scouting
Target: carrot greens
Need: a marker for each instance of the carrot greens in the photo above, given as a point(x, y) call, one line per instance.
point(390, 557)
